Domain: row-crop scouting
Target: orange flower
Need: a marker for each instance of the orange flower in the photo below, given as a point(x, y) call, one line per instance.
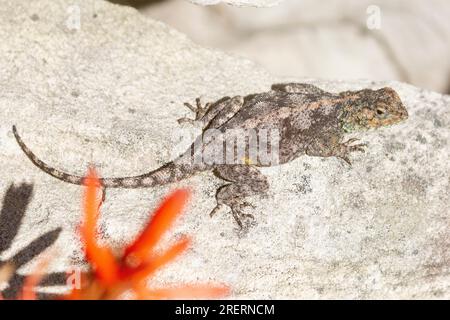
point(114, 276)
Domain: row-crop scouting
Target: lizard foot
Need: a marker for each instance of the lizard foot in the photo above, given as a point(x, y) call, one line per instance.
point(245, 181)
point(198, 109)
point(346, 148)
point(216, 209)
point(244, 220)
point(186, 120)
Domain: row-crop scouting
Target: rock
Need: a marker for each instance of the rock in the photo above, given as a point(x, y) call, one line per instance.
point(240, 3)
point(407, 41)
point(109, 91)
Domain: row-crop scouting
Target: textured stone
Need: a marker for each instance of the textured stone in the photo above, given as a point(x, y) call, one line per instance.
point(110, 93)
point(239, 3)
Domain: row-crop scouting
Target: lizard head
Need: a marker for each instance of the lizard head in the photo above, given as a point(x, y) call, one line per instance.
point(368, 109)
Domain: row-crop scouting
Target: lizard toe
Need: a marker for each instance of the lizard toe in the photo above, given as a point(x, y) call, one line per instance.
point(190, 106)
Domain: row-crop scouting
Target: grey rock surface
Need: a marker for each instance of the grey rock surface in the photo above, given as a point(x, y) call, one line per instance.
point(406, 40)
point(109, 92)
point(239, 3)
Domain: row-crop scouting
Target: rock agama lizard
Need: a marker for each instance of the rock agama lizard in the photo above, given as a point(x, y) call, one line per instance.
point(308, 120)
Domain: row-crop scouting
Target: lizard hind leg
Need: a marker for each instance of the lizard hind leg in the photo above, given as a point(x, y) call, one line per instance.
point(245, 181)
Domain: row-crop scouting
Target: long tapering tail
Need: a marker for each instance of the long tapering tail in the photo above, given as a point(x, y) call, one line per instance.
point(167, 173)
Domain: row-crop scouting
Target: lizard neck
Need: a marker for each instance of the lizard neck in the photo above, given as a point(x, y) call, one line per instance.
point(351, 116)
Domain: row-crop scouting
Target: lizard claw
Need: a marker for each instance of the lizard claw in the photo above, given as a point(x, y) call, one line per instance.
point(198, 106)
point(193, 109)
point(346, 159)
point(349, 141)
point(244, 220)
point(185, 120)
point(358, 147)
point(247, 204)
point(346, 148)
point(215, 209)
point(190, 106)
point(199, 111)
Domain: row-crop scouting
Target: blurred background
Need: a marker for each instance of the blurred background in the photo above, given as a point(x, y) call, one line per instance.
point(404, 40)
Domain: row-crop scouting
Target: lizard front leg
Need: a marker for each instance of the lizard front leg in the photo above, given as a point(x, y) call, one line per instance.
point(213, 115)
point(245, 181)
point(215, 119)
point(204, 114)
point(334, 147)
point(198, 109)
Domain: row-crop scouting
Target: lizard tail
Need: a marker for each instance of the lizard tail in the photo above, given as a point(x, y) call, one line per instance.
point(168, 173)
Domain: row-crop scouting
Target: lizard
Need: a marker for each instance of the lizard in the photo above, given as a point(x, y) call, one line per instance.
point(309, 121)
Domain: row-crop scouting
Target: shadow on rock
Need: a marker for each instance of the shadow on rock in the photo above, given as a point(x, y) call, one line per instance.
point(15, 203)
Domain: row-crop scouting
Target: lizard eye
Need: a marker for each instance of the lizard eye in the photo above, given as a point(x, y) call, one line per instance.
point(380, 111)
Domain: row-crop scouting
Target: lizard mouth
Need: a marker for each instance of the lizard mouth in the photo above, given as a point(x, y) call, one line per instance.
point(404, 115)
point(380, 122)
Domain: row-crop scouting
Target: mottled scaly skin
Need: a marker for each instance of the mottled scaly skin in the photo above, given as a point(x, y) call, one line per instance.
point(309, 121)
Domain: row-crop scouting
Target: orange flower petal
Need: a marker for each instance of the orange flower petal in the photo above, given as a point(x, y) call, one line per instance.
point(105, 264)
point(155, 262)
point(163, 218)
point(204, 291)
point(139, 261)
point(140, 291)
point(101, 258)
point(75, 294)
